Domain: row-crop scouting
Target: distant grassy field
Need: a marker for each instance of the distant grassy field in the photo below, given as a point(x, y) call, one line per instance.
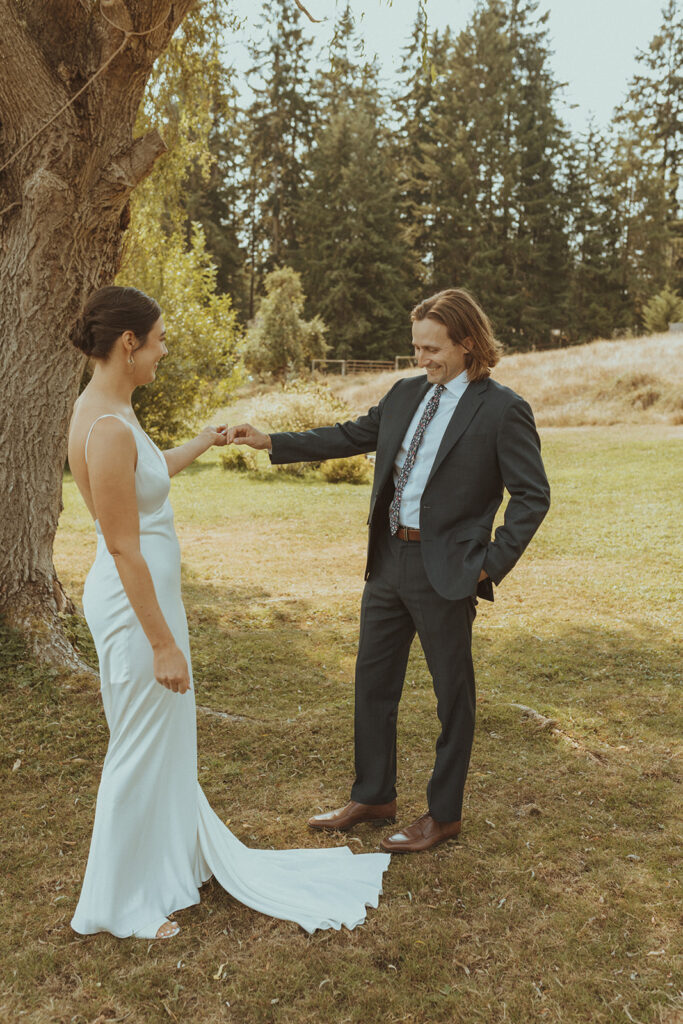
point(630, 380)
point(560, 901)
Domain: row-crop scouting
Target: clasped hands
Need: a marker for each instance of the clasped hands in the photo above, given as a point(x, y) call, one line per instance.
point(242, 434)
point(246, 434)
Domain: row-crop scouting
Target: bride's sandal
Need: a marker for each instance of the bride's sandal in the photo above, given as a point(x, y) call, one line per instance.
point(163, 929)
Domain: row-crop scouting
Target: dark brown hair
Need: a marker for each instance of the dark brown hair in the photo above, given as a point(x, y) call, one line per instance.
point(463, 317)
point(109, 312)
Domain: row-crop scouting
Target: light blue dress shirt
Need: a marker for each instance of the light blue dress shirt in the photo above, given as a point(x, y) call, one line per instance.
point(409, 511)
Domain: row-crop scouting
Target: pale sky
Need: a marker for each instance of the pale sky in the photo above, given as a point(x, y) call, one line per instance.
point(595, 41)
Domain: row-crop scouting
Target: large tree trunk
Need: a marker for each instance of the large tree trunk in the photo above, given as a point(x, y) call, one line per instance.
point(63, 210)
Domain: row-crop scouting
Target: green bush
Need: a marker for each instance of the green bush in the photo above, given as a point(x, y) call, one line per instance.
point(202, 367)
point(238, 459)
point(354, 470)
point(663, 309)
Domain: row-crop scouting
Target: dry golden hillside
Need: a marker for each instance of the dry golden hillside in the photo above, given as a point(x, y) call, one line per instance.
point(631, 380)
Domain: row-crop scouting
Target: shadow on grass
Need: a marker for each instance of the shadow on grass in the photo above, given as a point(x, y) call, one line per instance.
point(574, 661)
point(546, 865)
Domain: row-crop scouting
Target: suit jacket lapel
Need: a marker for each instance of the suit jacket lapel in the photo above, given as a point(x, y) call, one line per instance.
point(464, 411)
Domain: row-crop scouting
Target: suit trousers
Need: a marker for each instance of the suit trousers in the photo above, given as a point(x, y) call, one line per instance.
point(399, 601)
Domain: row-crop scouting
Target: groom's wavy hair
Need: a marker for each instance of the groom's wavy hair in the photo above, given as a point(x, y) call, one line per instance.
point(463, 317)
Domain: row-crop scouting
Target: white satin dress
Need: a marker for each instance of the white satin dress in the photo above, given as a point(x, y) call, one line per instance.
point(156, 839)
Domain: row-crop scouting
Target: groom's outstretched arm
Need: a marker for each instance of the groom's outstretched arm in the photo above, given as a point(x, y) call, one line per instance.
point(355, 437)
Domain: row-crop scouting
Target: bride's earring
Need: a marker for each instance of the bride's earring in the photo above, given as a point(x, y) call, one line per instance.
point(131, 361)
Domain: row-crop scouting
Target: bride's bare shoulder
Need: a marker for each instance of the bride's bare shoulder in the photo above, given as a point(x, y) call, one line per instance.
point(93, 423)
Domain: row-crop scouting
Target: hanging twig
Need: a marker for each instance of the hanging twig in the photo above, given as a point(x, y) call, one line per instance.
point(309, 16)
point(127, 34)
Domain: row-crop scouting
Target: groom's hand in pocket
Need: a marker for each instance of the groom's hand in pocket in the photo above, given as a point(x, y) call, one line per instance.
point(246, 434)
point(170, 668)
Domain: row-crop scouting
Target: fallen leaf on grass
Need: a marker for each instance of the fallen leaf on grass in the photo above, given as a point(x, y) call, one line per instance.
point(219, 973)
point(17, 765)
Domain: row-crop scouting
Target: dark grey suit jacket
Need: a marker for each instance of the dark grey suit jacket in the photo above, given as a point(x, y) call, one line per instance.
point(490, 443)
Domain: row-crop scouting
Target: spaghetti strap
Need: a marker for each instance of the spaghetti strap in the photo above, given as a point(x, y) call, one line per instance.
point(104, 416)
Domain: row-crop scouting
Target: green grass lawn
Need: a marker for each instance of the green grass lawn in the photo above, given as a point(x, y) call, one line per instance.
point(560, 900)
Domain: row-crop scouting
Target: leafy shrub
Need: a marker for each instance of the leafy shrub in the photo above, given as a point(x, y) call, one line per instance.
point(279, 341)
point(663, 309)
point(238, 459)
point(354, 470)
point(300, 405)
point(202, 367)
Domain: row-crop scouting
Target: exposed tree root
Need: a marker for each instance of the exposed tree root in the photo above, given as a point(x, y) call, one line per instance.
point(552, 725)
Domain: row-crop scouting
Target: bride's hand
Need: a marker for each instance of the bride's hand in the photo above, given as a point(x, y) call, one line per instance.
point(170, 668)
point(214, 435)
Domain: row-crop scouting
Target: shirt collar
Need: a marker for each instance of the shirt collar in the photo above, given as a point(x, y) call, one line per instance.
point(458, 384)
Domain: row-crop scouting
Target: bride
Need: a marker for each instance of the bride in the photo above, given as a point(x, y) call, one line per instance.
point(156, 839)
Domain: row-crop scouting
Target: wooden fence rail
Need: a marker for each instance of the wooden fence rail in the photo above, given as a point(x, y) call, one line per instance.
point(346, 366)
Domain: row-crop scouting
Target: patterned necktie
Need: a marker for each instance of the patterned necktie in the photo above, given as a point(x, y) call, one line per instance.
point(428, 414)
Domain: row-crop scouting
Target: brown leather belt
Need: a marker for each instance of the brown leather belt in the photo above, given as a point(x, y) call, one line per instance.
point(407, 533)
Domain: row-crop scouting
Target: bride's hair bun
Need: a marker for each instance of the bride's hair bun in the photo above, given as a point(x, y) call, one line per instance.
point(109, 312)
point(81, 336)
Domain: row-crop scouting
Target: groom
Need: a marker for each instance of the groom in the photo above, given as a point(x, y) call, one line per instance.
point(446, 447)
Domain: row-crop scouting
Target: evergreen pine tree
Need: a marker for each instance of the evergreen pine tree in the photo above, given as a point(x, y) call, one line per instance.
point(540, 143)
point(597, 303)
point(278, 135)
point(476, 167)
point(353, 256)
point(499, 221)
point(657, 93)
point(215, 197)
point(647, 143)
point(415, 144)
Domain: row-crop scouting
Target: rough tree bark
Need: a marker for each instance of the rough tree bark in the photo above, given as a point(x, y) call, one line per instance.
point(68, 164)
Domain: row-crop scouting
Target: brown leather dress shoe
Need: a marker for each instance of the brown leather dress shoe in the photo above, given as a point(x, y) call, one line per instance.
point(421, 835)
point(354, 814)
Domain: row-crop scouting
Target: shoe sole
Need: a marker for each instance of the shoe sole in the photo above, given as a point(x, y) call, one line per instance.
point(345, 828)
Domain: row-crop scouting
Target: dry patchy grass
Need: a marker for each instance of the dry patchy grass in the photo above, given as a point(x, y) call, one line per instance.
point(559, 901)
point(635, 380)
